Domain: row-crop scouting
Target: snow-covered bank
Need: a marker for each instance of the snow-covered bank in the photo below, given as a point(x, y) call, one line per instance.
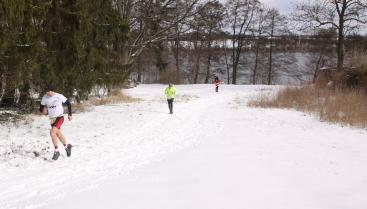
point(214, 152)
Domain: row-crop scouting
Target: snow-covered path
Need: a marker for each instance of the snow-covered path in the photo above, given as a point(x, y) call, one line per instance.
point(214, 152)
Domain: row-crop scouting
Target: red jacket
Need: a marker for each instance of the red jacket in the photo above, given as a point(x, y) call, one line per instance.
point(216, 82)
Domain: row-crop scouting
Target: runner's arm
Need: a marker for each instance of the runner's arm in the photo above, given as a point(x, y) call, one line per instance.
point(67, 102)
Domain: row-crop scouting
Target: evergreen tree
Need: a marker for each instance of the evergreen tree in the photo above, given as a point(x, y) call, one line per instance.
point(74, 44)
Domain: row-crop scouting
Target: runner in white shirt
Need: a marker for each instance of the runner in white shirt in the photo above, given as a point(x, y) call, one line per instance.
point(52, 103)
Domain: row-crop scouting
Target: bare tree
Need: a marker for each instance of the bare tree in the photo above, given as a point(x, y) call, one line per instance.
point(259, 30)
point(344, 15)
point(140, 70)
point(212, 15)
point(151, 22)
point(277, 26)
point(3, 82)
point(198, 41)
point(224, 46)
point(179, 29)
point(240, 14)
point(323, 44)
point(196, 55)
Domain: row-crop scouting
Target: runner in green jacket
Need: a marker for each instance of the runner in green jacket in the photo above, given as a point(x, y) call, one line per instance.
point(170, 94)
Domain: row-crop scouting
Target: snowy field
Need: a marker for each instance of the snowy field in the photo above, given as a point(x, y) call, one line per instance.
point(214, 152)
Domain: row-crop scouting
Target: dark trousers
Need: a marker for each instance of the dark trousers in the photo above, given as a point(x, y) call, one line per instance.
point(216, 88)
point(170, 105)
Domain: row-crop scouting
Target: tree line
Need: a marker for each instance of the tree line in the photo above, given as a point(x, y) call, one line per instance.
point(333, 24)
point(78, 44)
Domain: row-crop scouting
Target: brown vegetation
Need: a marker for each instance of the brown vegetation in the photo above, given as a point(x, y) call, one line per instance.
point(345, 106)
point(349, 78)
point(336, 96)
point(115, 97)
point(11, 116)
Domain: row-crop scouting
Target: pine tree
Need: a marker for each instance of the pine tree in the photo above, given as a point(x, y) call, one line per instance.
point(74, 44)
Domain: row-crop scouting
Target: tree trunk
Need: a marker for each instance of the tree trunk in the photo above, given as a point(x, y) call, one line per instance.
point(177, 55)
point(340, 45)
point(270, 62)
point(158, 50)
point(197, 53)
point(226, 59)
point(256, 62)
point(236, 60)
point(8, 99)
point(196, 68)
point(208, 64)
point(177, 50)
point(3, 85)
point(24, 97)
point(317, 67)
point(139, 69)
point(208, 68)
point(234, 67)
point(270, 72)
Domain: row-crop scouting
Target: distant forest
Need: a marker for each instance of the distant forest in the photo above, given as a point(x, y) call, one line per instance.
point(80, 44)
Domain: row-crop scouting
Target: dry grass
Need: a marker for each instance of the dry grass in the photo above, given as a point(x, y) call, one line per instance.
point(115, 97)
point(82, 107)
point(353, 76)
point(359, 60)
point(12, 117)
point(335, 105)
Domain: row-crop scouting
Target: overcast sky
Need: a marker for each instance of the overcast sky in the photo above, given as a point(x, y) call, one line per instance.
point(284, 6)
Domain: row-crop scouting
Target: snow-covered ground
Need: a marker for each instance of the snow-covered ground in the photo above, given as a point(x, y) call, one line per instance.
point(214, 152)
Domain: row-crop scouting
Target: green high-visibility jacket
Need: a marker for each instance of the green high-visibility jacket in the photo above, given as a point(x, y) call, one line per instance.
point(170, 92)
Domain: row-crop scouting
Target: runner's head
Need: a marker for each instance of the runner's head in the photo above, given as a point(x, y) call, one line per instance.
point(50, 89)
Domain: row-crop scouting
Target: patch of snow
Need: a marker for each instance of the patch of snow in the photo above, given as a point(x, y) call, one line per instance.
point(213, 152)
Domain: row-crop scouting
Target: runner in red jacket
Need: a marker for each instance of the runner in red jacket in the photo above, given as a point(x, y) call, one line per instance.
point(216, 83)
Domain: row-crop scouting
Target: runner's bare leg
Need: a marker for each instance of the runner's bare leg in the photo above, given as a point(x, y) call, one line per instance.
point(61, 136)
point(53, 134)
